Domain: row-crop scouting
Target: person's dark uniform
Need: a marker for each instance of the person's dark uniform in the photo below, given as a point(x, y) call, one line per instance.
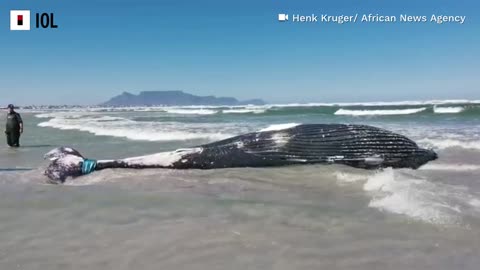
point(14, 127)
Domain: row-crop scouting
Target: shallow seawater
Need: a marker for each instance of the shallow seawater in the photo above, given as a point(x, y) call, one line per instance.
point(237, 219)
point(298, 217)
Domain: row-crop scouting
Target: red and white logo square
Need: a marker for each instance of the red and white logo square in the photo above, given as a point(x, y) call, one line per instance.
point(19, 19)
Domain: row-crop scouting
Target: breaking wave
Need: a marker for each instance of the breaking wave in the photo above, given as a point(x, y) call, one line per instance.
point(190, 111)
point(379, 112)
point(448, 109)
point(465, 109)
point(449, 143)
point(255, 111)
point(150, 131)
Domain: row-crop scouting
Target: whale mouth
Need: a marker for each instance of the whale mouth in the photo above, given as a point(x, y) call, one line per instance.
point(423, 157)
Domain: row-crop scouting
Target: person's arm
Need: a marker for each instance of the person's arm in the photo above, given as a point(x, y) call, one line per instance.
point(20, 122)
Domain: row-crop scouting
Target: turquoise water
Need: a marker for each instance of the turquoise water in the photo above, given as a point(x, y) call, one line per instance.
point(114, 133)
point(299, 217)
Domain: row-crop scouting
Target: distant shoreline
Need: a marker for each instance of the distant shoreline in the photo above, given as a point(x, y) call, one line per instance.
point(312, 104)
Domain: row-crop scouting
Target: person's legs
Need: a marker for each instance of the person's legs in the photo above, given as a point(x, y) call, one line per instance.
point(9, 138)
point(16, 139)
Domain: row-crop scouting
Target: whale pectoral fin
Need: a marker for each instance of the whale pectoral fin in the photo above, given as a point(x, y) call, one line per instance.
point(375, 160)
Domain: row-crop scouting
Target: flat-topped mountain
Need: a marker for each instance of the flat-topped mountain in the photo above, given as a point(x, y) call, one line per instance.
point(174, 98)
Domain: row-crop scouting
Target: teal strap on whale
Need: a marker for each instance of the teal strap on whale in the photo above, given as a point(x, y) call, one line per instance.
point(88, 166)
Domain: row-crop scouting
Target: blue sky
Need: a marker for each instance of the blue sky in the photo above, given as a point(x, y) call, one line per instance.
point(238, 48)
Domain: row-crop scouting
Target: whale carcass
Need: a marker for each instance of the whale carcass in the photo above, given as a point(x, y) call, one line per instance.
point(359, 146)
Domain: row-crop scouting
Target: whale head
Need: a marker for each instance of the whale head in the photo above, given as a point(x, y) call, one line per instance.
point(64, 162)
point(419, 158)
point(425, 156)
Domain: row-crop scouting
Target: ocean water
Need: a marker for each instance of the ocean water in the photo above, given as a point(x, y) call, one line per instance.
point(298, 217)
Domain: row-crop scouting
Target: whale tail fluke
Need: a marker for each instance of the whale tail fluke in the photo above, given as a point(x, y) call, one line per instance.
point(64, 162)
point(61, 152)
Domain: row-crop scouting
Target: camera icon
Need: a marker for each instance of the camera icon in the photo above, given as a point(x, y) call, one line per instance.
point(282, 17)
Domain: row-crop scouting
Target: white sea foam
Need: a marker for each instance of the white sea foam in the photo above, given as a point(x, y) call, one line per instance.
point(45, 115)
point(417, 198)
point(255, 111)
point(448, 109)
point(146, 131)
point(448, 143)
point(475, 202)
point(109, 118)
point(450, 167)
point(71, 115)
point(190, 111)
point(267, 106)
point(378, 112)
point(279, 127)
point(381, 103)
point(401, 192)
point(346, 178)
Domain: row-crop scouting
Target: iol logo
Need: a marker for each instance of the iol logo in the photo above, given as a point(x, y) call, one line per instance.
point(20, 20)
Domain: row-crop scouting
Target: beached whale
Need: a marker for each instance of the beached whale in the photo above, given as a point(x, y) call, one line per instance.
point(358, 146)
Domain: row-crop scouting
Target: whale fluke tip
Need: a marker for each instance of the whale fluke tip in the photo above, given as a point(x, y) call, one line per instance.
point(65, 162)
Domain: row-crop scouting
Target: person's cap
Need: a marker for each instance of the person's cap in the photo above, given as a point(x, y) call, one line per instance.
point(10, 106)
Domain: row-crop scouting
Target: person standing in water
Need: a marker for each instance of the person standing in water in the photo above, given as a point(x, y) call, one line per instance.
point(14, 127)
